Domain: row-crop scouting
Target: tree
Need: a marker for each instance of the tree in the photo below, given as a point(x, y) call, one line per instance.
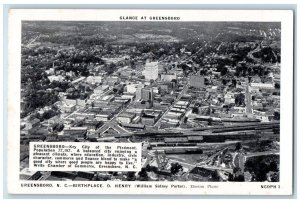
point(275, 177)
point(238, 175)
point(230, 177)
point(239, 178)
point(159, 99)
point(240, 99)
point(208, 111)
point(32, 117)
point(148, 168)
point(195, 110)
point(224, 82)
point(151, 168)
point(276, 115)
point(93, 139)
point(215, 176)
point(143, 175)
point(273, 166)
point(175, 168)
point(109, 69)
point(209, 121)
point(59, 127)
point(234, 82)
point(238, 146)
point(49, 114)
point(261, 173)
point(224, 70)
point(175, 81)
point(131, 176)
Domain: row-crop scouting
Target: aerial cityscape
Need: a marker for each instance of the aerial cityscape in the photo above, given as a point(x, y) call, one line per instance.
point(203, 98)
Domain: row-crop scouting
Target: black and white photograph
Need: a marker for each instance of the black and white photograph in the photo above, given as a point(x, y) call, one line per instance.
point(156, 102)
point(203, 98)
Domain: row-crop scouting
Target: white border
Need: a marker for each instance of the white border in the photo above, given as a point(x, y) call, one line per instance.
point(286, 19)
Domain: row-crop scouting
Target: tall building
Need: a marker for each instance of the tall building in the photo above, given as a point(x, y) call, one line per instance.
point(151, 71)
point(138, 93)
point(147, 94)
point(196, 81)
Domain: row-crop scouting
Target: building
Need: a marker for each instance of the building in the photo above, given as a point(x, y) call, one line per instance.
point(78, 80)
point(238, 109)
point(151, 71)
point(54, 120)
point(85, 175)
point(101, 89)
point(79, 115)
point(111, 81)
point(148, 120)
point(81, 102)
point(126, 73)
point(33, 123)
point(133, 127)
point(156, 90)
point(200, 174)
point(75, 132)
point(74, 102)
point(70, 102)
point(94, 79)
point(68, 108)
point(269, 86)
point(138, 94)
point(106, 99)
point(164, 86)
point(58, 78)
point(93, 125)
point(127, 97)
point(149, 117)
point(27, 174)
point(168, 77)
point(70, 73)
point(196, 81)
point(125, 118)
point(229, 98)
point(182, 104)
point(132, 88)
point(104, 116)
point(173, 115)
point(147, 94)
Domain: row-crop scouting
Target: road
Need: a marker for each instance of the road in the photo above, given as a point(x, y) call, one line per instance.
point(250, 54)
point(184, 164)
point(242, 158)
point(113, 124)
point(33, 40)
point(248, 99)
point(275, 55)
point(260, 154)
point(183, 91)
point(217, 168)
